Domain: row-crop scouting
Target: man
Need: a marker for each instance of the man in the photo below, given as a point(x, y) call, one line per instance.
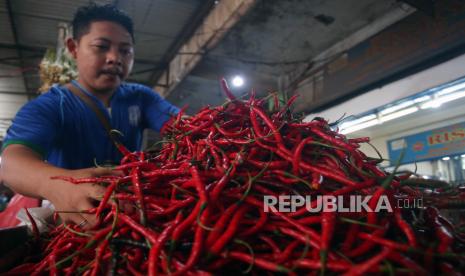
point(58, 134)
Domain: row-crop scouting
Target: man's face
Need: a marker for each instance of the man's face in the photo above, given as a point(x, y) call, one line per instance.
point(104, 56)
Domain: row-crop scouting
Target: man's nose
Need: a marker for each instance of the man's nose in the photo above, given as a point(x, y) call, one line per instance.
point(114, 57)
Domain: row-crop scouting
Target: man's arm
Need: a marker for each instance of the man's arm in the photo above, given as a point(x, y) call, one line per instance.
point(25, 172)
point(157, 111)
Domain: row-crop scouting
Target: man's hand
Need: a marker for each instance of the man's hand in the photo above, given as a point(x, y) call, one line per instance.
point(25, 172)
point(70, 200)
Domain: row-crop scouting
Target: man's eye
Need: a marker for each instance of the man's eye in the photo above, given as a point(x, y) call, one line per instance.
point(101, 47)
point(126, 51)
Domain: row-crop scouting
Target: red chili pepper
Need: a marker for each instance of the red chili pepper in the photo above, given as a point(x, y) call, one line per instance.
point(271, 126)
point(297, 154)
point(262, 263)
point(72, 269)
point(131, 268)
point(362, 268)
point(196, 250)
point(407, 262)
point(143, 165)
point(350, 238)
point(98, 258)
point(384, 242)
point(124, 151)
point(448, 269)
point(229, 134)
point(23, 269)
point(301, 237)
point(109, 191)
point(135, 174)
point(164, 172)
point(148, 233)
point(445, 237)
point(218, 188)
point(35, 229)
point(257, 226)
point(221, 224)
point(102, 179)
point(405, 227)
point(49, 260)
point(287, 252)
point(315, 169)
point(328, 222)
point(156, 248)
point(275, 248)
point(310, 232)
point(359, 140)
point(272, 165)
point(226, 90)
point(179, 231)
point(279, 115)
point(331, 265)
point(368, 243)
point(230, 231)
point(337, 142)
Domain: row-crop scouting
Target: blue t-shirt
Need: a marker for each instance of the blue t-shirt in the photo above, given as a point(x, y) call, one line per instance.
point(67, 133)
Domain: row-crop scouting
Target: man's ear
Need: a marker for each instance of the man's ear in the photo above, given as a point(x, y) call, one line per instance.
point(71, 44)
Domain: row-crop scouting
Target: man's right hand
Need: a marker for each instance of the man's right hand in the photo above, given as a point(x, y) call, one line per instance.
point(72, 200)
point(25, 172)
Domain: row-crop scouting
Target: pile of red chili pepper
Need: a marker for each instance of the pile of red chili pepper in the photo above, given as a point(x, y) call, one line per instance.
point(197, 205)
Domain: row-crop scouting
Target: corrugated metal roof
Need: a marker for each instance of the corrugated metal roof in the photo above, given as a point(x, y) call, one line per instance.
point(148, 15)
point(11, 79)
point(37, 31)
point(151, 46)
point(157, 20)
point(51, 8)
point(6, 35)
point(4, 53)
point(157, 24)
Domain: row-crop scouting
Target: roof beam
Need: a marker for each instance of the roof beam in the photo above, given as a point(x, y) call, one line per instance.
point(186, 33)
point(41, 50)
point(19, 93)
point(216, 24)
point(21, 47)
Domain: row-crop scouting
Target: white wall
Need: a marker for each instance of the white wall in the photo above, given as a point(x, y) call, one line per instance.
point(12, 95)
point(432, 77)
point(9, 104)
point(448, 114)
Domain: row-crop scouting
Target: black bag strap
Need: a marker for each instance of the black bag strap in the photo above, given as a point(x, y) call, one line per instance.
point(98, 112)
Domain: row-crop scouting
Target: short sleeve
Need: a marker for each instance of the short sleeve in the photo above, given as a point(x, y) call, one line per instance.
point(36, 125)
point(157, 111)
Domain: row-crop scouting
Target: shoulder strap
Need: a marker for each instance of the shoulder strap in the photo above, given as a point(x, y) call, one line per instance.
point(93, 106)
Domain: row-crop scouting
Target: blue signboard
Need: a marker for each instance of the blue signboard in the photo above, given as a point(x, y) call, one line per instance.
point(432, 144)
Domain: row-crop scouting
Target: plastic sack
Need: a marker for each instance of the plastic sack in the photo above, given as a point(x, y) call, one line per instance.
point(18, 202)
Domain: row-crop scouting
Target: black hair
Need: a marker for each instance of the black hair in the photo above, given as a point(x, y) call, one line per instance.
point(85, 15)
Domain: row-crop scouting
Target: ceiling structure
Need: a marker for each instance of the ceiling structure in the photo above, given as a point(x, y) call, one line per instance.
point(277, 38)
point(263, 40)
